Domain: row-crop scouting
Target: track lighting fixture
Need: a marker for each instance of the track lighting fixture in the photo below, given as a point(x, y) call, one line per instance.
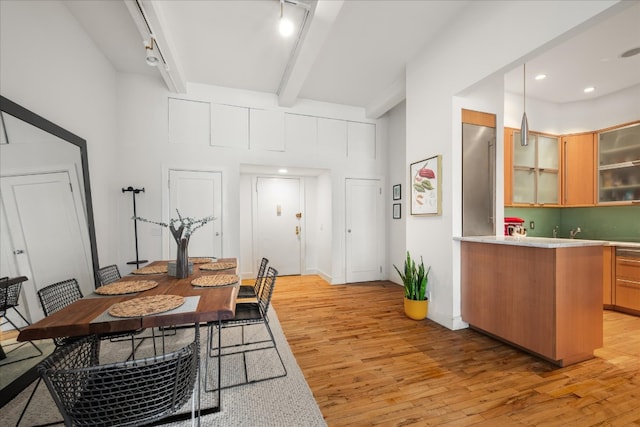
point(152, 52)
point(285, 25)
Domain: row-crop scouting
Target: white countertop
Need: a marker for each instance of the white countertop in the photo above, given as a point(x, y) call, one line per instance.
point(537, 242)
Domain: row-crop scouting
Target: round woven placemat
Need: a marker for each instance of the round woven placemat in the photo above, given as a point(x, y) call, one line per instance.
point(151, 269)
point(215, 280)
point(128, 287)
point(198, 260)
point(145, 306)
point(215, 266)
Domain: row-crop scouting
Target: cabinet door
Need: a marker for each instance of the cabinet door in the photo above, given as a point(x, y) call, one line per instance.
point(619, 165)
point(578, 170)
point(628, 283)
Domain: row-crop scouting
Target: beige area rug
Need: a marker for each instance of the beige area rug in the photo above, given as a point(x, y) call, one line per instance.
point(285, 401)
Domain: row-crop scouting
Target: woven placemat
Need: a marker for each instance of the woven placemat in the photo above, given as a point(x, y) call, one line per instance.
point(199, 260)
point(145, 306)
point(215, 280)
point(128, 287)
point(151, 269)
point(215, 266)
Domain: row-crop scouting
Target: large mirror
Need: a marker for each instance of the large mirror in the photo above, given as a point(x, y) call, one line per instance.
point(46, 219)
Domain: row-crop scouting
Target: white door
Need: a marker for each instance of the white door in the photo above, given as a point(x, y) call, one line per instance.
point(197, 195)
point(279, 223)
point(364, 230)
point(48, 233)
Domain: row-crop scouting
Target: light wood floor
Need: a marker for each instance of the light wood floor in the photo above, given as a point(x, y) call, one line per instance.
point(367, 364)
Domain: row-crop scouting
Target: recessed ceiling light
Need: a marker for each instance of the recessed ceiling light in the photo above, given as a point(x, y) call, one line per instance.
point(589, 89)
point(282, 170)
point(541, 77)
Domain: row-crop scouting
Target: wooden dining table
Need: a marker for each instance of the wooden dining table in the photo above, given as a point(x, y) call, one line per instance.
point(87, 315)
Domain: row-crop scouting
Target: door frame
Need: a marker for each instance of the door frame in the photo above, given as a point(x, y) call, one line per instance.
point(254, 218)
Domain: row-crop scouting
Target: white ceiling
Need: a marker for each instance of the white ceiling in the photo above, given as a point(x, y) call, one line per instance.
point(350, 52)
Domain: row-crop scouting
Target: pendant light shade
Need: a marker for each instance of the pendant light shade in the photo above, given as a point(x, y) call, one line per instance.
point(524, 125)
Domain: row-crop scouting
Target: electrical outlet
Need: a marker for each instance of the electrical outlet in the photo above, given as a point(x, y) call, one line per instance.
point(532, 225)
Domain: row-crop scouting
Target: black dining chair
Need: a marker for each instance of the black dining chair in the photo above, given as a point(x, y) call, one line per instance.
point(130, 393)
point(9, 299)
point(246, 314)
point(252, 291)
point(108, 274)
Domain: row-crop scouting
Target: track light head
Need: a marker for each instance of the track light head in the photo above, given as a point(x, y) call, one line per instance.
point(152, 52)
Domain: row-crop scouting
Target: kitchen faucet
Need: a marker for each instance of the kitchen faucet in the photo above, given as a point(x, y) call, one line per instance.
point(555, 232)
point(573, 232)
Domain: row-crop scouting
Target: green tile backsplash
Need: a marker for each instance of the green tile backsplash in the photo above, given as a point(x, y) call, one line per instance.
point(616, 223)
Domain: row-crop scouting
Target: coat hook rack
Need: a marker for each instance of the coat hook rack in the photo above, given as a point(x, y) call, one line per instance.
point(133, 192)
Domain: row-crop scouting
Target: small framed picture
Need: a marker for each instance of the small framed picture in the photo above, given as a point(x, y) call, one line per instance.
point(397, 192)
point(397, 211)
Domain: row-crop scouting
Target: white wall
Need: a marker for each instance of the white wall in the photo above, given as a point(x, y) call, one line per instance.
point(50, 66)
point(398, 170)
point(488, 37)
point(145, 152)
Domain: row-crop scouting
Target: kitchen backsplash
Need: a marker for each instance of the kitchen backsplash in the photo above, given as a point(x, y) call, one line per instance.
point(615, 223)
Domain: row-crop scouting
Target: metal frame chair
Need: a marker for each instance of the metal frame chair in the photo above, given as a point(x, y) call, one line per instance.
point(127, 393)
point(9, 296)
point(246, 314)
point(108, 274)
point(246, 291)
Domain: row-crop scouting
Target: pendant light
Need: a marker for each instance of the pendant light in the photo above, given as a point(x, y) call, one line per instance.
point(285, 25)
point(524, 126)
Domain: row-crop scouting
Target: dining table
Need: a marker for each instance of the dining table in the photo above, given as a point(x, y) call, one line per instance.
point(90, 315)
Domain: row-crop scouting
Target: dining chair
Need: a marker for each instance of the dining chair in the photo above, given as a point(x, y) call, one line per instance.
point(9, 299)
point(251, 291)
point(129, 393)
point(108, 274)
point(250, 313)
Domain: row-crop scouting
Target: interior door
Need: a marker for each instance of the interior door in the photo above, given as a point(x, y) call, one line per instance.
point(279, 223)
point(48, 233)
point(197, 194)
point(363, 230)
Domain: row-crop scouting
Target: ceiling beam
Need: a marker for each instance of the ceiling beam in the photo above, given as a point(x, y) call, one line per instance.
point(149, 20)
point(389, 98)
point(318, 25)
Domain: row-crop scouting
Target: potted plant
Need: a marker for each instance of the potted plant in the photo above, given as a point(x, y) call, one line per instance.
point(415, 280)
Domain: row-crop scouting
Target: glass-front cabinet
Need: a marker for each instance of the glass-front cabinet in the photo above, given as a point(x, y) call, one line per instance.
point(619, 165)
point(535, 170)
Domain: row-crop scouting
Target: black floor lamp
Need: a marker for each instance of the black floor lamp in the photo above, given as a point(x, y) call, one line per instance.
point(135, 191)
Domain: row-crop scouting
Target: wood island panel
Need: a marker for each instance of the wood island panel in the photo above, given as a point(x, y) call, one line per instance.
point(544, 300)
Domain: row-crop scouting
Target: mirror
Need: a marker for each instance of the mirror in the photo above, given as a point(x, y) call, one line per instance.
point(46, 217)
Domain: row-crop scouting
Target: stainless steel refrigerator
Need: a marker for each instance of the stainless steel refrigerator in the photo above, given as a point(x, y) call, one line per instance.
point(478, 180)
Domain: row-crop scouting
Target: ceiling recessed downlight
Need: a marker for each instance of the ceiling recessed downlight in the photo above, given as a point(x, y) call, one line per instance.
point(541, 77)
point(282, 170)
point(589, 89)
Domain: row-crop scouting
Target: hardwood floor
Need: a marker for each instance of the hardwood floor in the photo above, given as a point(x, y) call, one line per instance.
point(369, 365)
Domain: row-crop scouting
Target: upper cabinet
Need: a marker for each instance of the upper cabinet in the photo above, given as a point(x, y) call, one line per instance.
point(578, 169)
point(534, 169)
point(619, 165)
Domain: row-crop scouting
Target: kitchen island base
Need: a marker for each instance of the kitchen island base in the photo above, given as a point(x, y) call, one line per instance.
point(546, 300)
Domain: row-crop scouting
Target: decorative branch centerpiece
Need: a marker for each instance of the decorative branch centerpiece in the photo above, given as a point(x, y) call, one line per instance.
point(181, 229)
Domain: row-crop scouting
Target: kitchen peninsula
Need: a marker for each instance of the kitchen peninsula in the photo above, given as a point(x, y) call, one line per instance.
point(541, 295)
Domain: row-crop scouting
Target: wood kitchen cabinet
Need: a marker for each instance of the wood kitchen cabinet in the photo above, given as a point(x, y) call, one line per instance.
point(627, 288)
point(619, 165)
point(532, 173)
point(578, 170)
point(608, 275)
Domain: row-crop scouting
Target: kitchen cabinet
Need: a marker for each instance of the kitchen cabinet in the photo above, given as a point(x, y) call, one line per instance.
point(578, 170)
point(535, 170)
point(608, 275)
point(619, 165)
point(627, 288)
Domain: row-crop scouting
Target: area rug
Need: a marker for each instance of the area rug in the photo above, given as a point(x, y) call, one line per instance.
point(284, 401)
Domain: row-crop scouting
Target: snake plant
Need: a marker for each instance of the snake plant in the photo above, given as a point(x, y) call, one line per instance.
point(414, 278)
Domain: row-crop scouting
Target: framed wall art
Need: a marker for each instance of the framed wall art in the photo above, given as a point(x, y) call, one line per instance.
point(397, 192)
point(426, 186)
point(397, 212)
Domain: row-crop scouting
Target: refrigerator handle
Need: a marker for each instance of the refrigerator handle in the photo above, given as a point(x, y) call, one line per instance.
point(492, 179)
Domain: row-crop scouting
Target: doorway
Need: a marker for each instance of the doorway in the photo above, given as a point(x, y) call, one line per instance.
point(279, 223)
